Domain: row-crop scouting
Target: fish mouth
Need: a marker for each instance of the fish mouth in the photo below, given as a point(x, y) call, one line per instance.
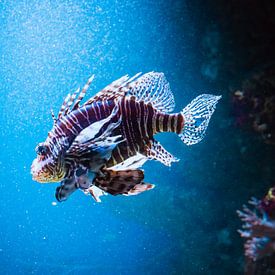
point(39, 179)
point(41, 175)
point(36, 176)
point(46, 170)
point(37, 172)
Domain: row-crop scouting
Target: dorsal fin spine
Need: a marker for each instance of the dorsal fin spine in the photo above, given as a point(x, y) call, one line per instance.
point(63, 106)
point(71, 103)
point(53, 116)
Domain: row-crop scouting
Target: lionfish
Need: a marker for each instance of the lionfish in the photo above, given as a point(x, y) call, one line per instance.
point(99, 146)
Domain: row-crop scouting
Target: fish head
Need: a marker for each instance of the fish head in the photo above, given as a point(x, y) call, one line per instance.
point(47, 166)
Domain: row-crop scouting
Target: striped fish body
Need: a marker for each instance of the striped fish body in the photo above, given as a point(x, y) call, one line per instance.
point(140, 122)
point(143, 105)
point(115, 129)
point(71, 125)
point(135, 115)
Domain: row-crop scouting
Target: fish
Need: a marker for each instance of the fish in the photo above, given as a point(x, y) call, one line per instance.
point(100, 146)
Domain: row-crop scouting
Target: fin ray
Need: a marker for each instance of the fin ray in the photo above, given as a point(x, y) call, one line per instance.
point(155, 151)
point(125, 182)
point(197, 115)
point(72, 102)
point(133, 162)
point(153, 88)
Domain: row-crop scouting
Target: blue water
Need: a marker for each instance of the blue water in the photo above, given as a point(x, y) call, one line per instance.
point(187, 224)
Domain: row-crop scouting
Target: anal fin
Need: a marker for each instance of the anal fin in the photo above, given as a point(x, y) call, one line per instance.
point(156, 151)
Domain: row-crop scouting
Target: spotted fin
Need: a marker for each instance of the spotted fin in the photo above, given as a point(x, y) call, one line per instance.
point(155, 151)
point(125, 182)
point(153, 88)
point(139, 188)
point(197, 115)
point(116, 89)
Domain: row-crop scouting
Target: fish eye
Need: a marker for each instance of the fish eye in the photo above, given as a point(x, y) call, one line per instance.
point(41, 149)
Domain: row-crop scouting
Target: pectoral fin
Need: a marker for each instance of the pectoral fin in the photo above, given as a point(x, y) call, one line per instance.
point(67, 187)
point(125, 182)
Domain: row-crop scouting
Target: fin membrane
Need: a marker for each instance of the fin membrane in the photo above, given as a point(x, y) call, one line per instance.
point(67, 187)
point(102, 127)
point(113, 90)
point(153, 88)
point(96, 141)
point(197, 115)
point(156, 151)
point(125, 182)
point(132, 162)
point(95, 192)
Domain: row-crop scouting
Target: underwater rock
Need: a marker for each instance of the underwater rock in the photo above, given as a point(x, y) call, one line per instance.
point(259, 232)
point(254, 105)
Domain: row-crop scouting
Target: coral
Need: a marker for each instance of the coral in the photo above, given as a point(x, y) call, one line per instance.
point(259, 232)
point(254, 105)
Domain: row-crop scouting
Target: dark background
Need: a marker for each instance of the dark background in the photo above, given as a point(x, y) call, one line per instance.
point(188, 223)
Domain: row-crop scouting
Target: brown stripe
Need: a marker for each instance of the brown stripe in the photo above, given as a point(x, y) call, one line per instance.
point(134, 121)
point(180, 123)
point(91, 113)
point(172, 125)
point(126, 127)
point(101, 110)
point(142, 121)
point(154, 123)
point(150, 120)
point(157, 122)
point(161, 122)
point(81, 112)
point(130, 119)
point(169, 123)
point(139, 119)
point(98, 111)
point(165, 123)
point(119, 153)
point(116, 156)
point(106, 108)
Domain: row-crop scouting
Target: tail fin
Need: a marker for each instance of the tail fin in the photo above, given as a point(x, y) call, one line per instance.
point(197, 115)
